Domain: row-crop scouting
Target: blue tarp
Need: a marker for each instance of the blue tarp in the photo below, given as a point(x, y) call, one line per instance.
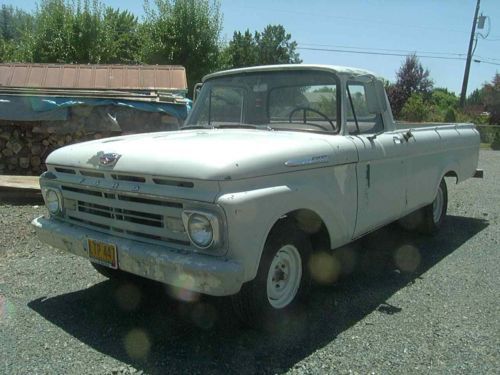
point(39, 108)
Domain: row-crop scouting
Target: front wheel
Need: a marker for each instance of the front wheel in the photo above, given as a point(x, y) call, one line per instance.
point(282, 280)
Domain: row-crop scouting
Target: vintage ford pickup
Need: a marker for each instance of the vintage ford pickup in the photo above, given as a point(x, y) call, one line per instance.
point(271, 161)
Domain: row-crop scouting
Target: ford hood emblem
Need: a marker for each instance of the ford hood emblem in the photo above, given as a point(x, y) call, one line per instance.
point(109, 159)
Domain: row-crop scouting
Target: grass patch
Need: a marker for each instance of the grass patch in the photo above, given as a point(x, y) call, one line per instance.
point(485, 146)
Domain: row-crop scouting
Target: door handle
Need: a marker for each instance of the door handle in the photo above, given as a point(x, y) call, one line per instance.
point(397, 140)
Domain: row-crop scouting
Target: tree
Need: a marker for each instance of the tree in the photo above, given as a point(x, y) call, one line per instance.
point(443, 99)
point(272, 46)
point(411, 78)
point(121, 37)
point(241, 51)
point(275, 46)
point(414, 109)
point(491, 99)
point(184, 32)
point(12, 22)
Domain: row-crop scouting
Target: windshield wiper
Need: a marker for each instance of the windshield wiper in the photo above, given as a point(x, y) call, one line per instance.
point(194, 127)
point(236, 126)
point(225, 126)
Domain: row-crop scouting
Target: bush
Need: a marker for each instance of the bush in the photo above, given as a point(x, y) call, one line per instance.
point(488, 133)
point(450, 115)
point(495, 145)
point(414, 109)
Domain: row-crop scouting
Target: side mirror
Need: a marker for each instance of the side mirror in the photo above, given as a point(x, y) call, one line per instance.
point(196, 90)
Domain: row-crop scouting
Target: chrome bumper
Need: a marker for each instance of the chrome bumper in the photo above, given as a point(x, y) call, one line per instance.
point(199, 273)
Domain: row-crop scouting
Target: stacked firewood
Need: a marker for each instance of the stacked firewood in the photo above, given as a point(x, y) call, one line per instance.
point(24, 146)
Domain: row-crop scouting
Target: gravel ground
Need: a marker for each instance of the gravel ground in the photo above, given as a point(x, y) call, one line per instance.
point(415, 305)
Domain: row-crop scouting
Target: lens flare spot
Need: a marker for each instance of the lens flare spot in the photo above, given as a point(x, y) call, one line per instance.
point(308, 222)
point(407, 258)
point(184, 292)
point(128, 296)
point(137, 344)
point(204, 315)
point(6, 308)
point(324, 268)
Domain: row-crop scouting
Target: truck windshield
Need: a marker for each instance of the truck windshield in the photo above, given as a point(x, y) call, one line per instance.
point(297, 100)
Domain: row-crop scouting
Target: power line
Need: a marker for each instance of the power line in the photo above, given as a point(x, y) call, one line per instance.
point(486, 62)
point(379, 53)
point(381, 49)
point(417, 53)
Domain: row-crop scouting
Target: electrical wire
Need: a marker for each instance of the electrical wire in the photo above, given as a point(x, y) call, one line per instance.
point(380, 49)
point(379, 53)
point(417, 53)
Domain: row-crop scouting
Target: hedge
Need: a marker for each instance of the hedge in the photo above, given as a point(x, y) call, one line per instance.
point(488, 132)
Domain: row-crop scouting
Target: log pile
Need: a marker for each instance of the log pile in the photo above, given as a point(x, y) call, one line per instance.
point(24, 146)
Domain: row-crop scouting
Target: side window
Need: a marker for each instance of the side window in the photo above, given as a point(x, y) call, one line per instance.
point(359, 120)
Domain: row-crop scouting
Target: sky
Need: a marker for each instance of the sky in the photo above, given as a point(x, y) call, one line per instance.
point(326, 29)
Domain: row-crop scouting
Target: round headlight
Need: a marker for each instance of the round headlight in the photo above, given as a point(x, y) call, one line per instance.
point(52, 201)
point(200, 230)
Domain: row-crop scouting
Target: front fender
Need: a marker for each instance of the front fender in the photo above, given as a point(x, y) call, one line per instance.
point(329, 192)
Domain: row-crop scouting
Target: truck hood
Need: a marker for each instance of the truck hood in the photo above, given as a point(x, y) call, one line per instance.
point(212, 154)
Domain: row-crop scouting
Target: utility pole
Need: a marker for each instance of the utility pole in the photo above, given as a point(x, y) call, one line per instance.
point(469, 57)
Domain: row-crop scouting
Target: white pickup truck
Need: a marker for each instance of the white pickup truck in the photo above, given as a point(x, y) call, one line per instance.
point(271, 161)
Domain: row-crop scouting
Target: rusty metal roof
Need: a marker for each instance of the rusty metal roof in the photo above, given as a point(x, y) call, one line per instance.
point(93, 77)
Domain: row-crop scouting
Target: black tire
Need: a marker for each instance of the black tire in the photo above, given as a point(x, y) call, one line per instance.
point(423, 220)
point(253, 303)
point(430, 223)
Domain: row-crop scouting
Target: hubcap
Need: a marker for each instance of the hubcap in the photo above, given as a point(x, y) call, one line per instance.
point(437, 206)
point(283, 278)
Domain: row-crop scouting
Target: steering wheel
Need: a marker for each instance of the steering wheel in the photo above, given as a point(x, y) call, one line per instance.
point(305, 109)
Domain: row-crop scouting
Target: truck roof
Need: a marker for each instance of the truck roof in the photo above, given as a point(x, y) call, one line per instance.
point(341, 70)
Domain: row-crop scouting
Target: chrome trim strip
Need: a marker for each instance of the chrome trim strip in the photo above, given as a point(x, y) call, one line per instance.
point(308, 161)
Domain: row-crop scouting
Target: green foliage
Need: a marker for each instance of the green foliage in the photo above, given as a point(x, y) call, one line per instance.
point(491, 99)
point(12, 22)
point(62, 31)
point(121, 39)
point(184, 32)
point(444, 99)
point(495, 145)
point(450, 115)
point(272, 46)
point(414, 109)
point(475, 98)
point(241, 51)
point(276, 47)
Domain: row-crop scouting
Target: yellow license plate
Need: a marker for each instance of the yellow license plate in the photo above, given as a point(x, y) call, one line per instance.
point(103, 253)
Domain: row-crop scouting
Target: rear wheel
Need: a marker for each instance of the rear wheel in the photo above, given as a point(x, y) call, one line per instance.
point(435, 213)
point(429, 219)
point(282, 281)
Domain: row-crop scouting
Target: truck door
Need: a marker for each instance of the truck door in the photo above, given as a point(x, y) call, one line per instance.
point(381, 170)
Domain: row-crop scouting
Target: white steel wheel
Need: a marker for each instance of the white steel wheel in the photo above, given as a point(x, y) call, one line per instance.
point(434, 214)
point(283, 278)
point(437, 205)
point(274, 297)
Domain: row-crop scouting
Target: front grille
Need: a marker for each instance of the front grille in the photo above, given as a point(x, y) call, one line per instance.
point(126, 177)
point(125, 215)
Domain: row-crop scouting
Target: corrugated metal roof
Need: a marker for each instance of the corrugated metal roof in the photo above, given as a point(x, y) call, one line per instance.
point(94, 77)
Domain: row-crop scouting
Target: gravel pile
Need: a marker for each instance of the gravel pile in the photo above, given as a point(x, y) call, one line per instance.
point(414, 305)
